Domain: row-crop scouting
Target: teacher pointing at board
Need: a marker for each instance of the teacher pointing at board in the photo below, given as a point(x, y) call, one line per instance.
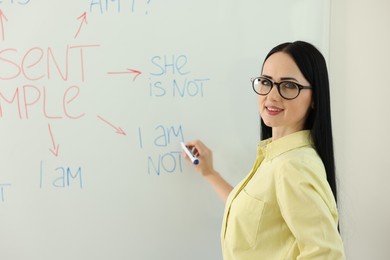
point(286, 207)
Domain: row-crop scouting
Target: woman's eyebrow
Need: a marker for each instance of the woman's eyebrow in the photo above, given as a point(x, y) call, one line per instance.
point(283, 78)
point(288, 78)
point(266, 76)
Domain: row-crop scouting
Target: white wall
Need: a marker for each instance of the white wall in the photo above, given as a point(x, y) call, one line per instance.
point(359, 72)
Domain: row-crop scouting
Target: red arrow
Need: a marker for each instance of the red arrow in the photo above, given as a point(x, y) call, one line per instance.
point(129, 71)
point(118, 129)
point(54, 151)
point(1, 22)
point(84, 20)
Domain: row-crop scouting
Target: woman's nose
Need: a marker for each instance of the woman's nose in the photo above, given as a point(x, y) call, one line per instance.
point(274, 93)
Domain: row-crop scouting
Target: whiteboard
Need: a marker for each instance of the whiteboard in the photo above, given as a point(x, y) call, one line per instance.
point(95, 98)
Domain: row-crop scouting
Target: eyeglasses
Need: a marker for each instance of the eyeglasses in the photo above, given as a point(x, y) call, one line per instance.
point(287, 89)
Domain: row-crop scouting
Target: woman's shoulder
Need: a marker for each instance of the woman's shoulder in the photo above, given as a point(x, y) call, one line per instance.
point(301, 164)
point(303, 169)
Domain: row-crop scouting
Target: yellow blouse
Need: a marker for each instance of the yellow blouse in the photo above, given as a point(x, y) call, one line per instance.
point(284, 208)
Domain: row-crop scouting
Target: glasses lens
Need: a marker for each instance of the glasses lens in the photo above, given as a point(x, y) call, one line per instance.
point(262, 86)
point(289, 90)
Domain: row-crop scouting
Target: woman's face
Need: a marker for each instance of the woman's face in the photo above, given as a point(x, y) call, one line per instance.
point(284, 116)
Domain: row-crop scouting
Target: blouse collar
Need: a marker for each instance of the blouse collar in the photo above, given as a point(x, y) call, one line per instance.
point(271, 149)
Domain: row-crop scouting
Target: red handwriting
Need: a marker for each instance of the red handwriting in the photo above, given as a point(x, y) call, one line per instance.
point(34, 67)
point(118, 129)
point(42, 64)
point(28, 97)
point(2, 24)
point(54, 151)
point(129, 71)
point(84, 20)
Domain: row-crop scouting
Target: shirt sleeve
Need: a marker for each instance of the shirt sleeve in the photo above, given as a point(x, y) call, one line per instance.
point(309, 210)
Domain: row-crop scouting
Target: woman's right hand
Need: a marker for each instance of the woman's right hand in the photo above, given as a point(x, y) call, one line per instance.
point(206, 168)
point(205, 155)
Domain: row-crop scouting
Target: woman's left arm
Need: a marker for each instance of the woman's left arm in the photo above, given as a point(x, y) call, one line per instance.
point(309, 209)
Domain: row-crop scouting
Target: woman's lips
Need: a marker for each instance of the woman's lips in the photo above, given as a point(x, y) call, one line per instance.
point(272, 110)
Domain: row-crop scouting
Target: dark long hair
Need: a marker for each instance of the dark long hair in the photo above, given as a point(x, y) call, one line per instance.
point(313, 67)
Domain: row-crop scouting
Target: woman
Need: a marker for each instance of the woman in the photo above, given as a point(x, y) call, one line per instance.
point(286, 207)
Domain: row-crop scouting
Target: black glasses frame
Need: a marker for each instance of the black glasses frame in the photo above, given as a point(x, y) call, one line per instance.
point(300, 87)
